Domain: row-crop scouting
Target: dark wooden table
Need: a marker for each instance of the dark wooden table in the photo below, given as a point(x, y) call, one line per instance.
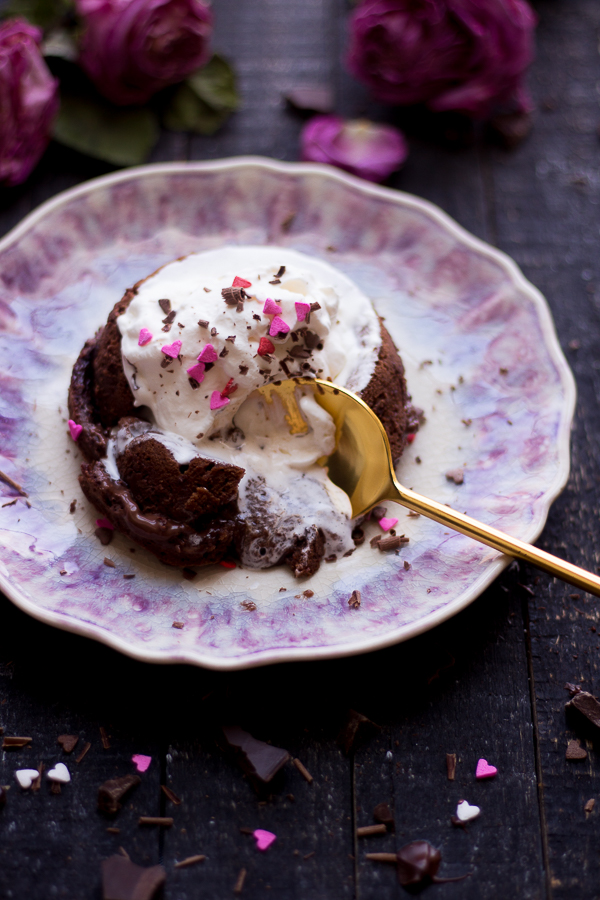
point(488, 683)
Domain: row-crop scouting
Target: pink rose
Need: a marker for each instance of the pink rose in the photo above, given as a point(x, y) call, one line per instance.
point(28, 100)
point(466, 55)
point(368, 150)
point(133, 48)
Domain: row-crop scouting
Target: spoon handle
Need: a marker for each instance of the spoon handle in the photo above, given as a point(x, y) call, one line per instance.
point(497, 539)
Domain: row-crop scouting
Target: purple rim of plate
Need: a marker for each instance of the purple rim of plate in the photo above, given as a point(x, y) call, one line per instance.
point(482, 358)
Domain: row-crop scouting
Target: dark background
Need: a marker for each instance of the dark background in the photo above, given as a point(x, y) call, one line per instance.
point(488, 683)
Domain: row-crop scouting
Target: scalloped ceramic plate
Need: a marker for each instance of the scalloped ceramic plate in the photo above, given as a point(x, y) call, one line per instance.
point(482, 360)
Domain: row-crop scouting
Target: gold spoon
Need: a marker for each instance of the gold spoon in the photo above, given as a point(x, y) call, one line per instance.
point(362, 466)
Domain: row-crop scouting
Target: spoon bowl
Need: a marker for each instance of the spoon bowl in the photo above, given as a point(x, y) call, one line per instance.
point(362, 466)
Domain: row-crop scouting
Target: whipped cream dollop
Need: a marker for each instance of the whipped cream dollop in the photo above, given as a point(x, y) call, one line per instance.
point(204, 332)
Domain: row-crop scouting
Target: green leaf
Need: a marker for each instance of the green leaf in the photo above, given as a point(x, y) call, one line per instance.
point(42, 13)
point(187, 112)
point(215, 84)
point(122, 136)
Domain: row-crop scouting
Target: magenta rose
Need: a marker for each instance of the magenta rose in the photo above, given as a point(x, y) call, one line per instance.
point(363, 148)
point(28, 100)
point(466, 55)
point(133, 48)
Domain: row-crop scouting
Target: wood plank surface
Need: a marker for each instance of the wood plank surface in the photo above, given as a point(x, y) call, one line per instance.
point(489, 683)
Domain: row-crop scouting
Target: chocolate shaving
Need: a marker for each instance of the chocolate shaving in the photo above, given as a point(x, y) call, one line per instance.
point(575, 750)
point(239, 884)
point(259, 760)
point(165, 305)
point(310, 339)
point(104, 738)
point(250, 605)
point(124, 880)
point(109, 562)
point(213, 332)
point(128, 575)
point(86, 747)
point(280, 272)
point(451, 765)
point(72, 506)
point(256, 317)
point(366, 830)
point(202, 322)
point(15, 743)
point(170, 318)
point(243, 370)
point(112, 792)
point(391, 543)
point(358, 536)
point(223, 352)
point(230, 337)
point(68, 742)
point(37, 782)
point(104, 535)
point(166, 362)
point(190, 861)
point(13, 484)
point(233, 295)
point(163, 821)
point(383, 814)
point(354, 601)
point(356, 729)
point(112, 830)
point(303, 771)
point(170, 795)
point(178, 625)
point(314, 307)
point(300, 353)
point(275, 281)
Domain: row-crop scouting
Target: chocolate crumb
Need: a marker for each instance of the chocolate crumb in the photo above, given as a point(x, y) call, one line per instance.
point(104, 738)
point(190, 861)
point(358, 536)
point(112, 830)
point(213, 332)
point(303, 771)
point(170, 318)
point(366, 830)
point(451, 765)
point(122, 879)
point(383, 814)
point(128, 575)
point(307, 593)
point(406, 565)
point(108, 562)
point(243, 370)
point(275, 281)
point(231, 338)
point(250, 605)
point(162, 821)
point(589, 806)
point(15, 743)
point(165, 362)
point(224, 352)
point(354, 601)
point(203, 323)
point(239, 884)
point(165, 305)
point(178, 625)
point(104, 535)
point(112, 792)
point(455, 475)
point(355, 730)
point(68, 742)
point(13, 484)
point(585, 704)
point(86, 747)
point(575, 750)
point(72, 506)
point(170, 795)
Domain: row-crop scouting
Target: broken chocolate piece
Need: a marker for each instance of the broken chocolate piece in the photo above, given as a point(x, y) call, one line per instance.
point(383, 814)
point(113, 790)
point(104, 535)
point(165, 305)
point(68, 742)
point(418, 863)
point(122, 879)
point(354, 601)
point(15, 743)
point(575, 751)
point(585, 704)
point(259, 760)
point(357, 728)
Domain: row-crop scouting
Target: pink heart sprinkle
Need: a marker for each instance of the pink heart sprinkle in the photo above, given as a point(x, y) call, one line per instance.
point(172, 350)
point(484, 770)
point(217, 401)
point(104, 523)
point(264, 839)
point(386, 524)
point(241, 282)
point(302, 310)
point(145, 337)
point(197, 372)
point(209, 354)
point(142, 762)
point(278, 326)
point(75, 429)
point(271, 308)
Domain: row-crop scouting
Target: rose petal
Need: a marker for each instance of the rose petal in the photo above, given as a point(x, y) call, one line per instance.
point(361, 147)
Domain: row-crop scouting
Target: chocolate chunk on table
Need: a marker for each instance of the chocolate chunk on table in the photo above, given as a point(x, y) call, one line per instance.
point(122, 879)
point(259, 760)
point(112, 792)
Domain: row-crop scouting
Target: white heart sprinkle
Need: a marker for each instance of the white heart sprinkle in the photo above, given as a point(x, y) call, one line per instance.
point(465, 812)
point(60, 773)
point(26, 777)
